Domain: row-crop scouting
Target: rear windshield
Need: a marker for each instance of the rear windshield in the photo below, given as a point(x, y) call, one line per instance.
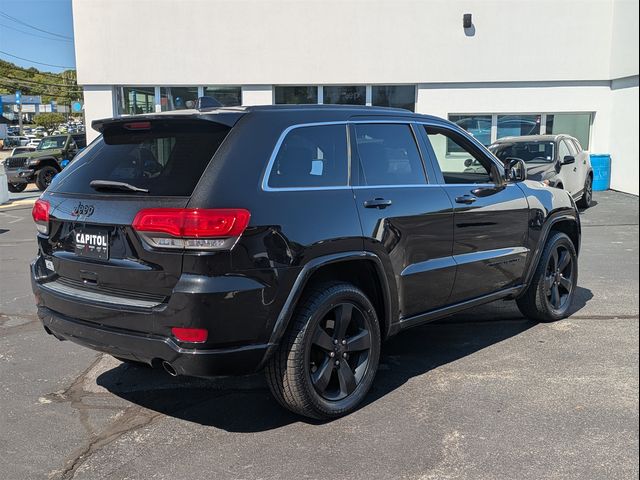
point(166, 158)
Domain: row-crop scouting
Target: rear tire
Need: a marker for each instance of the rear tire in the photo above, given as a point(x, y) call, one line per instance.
point(549, 295)
point(44, 177)
point(17, 187)
point(328, 357)
point(587, 195)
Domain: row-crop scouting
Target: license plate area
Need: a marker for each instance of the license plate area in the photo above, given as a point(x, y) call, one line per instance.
point(91, 242)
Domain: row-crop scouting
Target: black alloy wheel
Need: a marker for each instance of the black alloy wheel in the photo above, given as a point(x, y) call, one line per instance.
point(327, 360)
point(550, 292)
point(558, 282)
point(339, 354)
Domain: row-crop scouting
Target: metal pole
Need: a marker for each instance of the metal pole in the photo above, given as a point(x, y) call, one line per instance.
point(20, 117)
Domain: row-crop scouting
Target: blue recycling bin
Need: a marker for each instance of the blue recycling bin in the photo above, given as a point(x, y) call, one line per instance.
point(601, 163)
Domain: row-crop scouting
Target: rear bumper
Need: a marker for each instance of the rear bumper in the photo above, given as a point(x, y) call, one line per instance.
point(153, 349)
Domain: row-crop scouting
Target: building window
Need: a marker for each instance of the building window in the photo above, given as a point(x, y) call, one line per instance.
point(178, 98)
point(477, 125)
point(345, 95)
point(295, 94)
point(134, 100)
point(227, 96)
point(577, 125)
point(518, 125)
point(399, 96)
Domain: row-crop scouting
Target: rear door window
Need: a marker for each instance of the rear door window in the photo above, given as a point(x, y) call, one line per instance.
point(388, 155)
point(166, 158)
point(314, 156)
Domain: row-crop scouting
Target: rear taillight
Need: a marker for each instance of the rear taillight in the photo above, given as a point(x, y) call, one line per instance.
point(191, 228)
point(40, 214)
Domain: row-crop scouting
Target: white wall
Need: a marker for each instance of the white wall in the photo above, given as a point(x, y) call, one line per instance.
point(624, 39)
point(265, 42)
point(98, 103)
point(624, 136)
point(257, 95)
point(530, 97)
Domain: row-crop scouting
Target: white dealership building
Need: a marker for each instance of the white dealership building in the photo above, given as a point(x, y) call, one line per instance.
point(516, 67)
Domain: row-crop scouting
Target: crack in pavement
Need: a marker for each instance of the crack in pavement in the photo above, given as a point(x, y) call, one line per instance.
point(130, 419)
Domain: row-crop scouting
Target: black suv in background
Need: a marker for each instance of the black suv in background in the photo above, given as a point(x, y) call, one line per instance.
point(51, 155)
point(293, 239)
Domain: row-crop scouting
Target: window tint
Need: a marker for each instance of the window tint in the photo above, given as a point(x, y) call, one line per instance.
point(477, 125)
point(227, 96)
point(135, 100)
point(563, 150)
point(518, 125)
point(295, 94)
point(388, 155)
point(168, 159)
point(399, 96)
point(575, 124)
point(311, 157)
point(461, 164)
point(346, 95)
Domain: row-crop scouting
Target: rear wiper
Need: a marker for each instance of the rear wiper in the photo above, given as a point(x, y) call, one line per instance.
point(111, 185)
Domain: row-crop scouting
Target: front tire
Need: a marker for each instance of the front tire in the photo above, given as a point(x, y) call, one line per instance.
point(17, 187)
point(44, 177)
point(550, 294)
point(329, 356)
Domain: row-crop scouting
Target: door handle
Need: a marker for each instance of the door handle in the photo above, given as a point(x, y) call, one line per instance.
point(466, 199)
point(379, 203)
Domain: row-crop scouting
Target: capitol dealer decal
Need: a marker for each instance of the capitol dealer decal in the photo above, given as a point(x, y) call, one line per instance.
point(91, 242)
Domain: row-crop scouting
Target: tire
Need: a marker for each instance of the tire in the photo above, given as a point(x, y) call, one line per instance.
point(550, 294)
point(587, 195)
point(44, 177)
point(316, 374)
point(17, 187)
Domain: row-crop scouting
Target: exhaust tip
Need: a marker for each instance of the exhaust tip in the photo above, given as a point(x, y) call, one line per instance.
point(169, 369)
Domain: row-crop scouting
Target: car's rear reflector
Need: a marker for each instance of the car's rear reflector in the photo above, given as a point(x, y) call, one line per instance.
point(40, 214)
point(191, 335)
point(192, 228)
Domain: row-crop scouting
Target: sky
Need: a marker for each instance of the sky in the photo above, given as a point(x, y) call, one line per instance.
point(53, 46)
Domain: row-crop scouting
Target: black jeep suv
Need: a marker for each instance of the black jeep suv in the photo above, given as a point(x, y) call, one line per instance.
point(293, 239)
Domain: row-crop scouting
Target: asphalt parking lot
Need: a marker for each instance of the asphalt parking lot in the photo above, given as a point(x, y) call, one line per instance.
point(484, 395)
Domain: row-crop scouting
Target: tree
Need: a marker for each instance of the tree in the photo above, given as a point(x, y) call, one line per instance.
point(49, 120)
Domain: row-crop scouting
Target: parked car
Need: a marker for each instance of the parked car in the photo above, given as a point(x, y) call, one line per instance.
point(290, 239)
point(24, 149)
point(556, 160)
point(34, 142)
point(42, 164)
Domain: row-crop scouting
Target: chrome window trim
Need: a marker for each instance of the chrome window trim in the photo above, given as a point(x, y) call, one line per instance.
point(265, 177)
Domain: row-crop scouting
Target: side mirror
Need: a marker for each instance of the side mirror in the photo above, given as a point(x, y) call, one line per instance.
point(568, 160)
point(516, 170)
point(468, 162)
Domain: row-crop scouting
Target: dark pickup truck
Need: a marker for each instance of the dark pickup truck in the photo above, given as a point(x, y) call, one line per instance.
point(41, 165)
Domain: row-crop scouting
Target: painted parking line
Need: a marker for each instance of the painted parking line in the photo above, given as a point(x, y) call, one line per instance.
point(18, 203)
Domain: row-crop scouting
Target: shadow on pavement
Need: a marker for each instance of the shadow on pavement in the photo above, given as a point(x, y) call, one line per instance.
point(244, 404)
